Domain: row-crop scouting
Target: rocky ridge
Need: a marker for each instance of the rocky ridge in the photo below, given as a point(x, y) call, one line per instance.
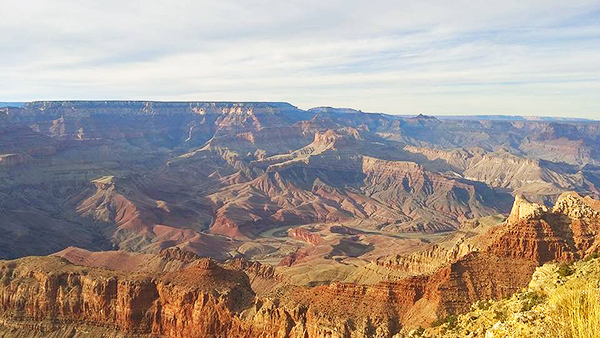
point(546, 307)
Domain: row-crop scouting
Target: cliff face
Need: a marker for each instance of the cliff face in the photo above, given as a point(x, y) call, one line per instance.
point(57, 298)
point(202, 301)
point(568, 231)
point(556, 303)
point(531, 176)
point(197, 302)
point(531, 236)
point(502, 260)
point(304, 235)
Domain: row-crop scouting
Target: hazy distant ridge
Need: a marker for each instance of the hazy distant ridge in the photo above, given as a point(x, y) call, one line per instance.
point(11, 104)
point(141, 105)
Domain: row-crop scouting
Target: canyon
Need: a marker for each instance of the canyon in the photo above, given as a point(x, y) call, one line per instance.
point(179, 294)
point(256, 219)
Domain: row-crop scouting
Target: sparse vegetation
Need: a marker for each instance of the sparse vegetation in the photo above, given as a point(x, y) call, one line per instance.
point(530, 299)
point(564, 270)
point(483, 304)
point(563, 301)
point(576, 310)
point(450, 321)
point(592, 256)
point(418, 332)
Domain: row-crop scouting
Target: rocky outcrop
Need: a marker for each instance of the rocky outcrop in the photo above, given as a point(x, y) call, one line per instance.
point(197, 302)
point(204, 300)
point(559, 301)
point(572, 205)
point(498, 262)
point(421, 262)
point(304, 235)
point(568, 231)
point(177, 254)
point(523, 210)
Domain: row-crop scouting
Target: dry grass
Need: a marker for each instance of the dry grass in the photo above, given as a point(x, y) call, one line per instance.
point(576, 310)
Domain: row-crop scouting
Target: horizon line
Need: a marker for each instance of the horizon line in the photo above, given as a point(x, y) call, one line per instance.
point(20, 104)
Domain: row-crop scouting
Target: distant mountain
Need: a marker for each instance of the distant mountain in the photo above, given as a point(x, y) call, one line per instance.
point(11, 104)
point(512, 118)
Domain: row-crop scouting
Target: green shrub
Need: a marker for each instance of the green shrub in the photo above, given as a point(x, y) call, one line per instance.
point(564, 270)
point(418, 332)
point(530, 300)
point(437, 322)
point(450, 320)
point(484, 304)
point(499, 316)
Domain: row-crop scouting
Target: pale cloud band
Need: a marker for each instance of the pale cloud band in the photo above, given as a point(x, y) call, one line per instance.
point(403, 57)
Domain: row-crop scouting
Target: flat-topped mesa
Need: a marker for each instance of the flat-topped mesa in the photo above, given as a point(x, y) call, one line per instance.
point(218, 105)
point(372, 164)
point(523, 210)
point(574, 206)
point(134, 108)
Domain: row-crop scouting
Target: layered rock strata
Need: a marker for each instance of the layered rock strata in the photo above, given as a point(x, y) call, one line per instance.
point(243, 299)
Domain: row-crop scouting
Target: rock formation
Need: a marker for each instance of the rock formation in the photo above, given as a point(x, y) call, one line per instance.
point(182, 169)
point(195, 302)
point(320, 222)
point(559, 301)
point(524, 210)
point(182, 295)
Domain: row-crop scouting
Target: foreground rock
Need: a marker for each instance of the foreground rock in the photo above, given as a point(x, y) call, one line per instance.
point(560, 301)
point(47, 292)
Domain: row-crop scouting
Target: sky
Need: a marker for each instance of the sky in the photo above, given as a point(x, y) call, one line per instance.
point(400, 57)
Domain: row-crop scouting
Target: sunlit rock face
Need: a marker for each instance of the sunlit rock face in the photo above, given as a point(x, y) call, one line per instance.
point(523, 210)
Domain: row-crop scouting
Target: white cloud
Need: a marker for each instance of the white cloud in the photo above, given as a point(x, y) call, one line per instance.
point(518, 57)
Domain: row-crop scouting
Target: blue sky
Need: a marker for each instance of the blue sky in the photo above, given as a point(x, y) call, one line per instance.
point(400, 57)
